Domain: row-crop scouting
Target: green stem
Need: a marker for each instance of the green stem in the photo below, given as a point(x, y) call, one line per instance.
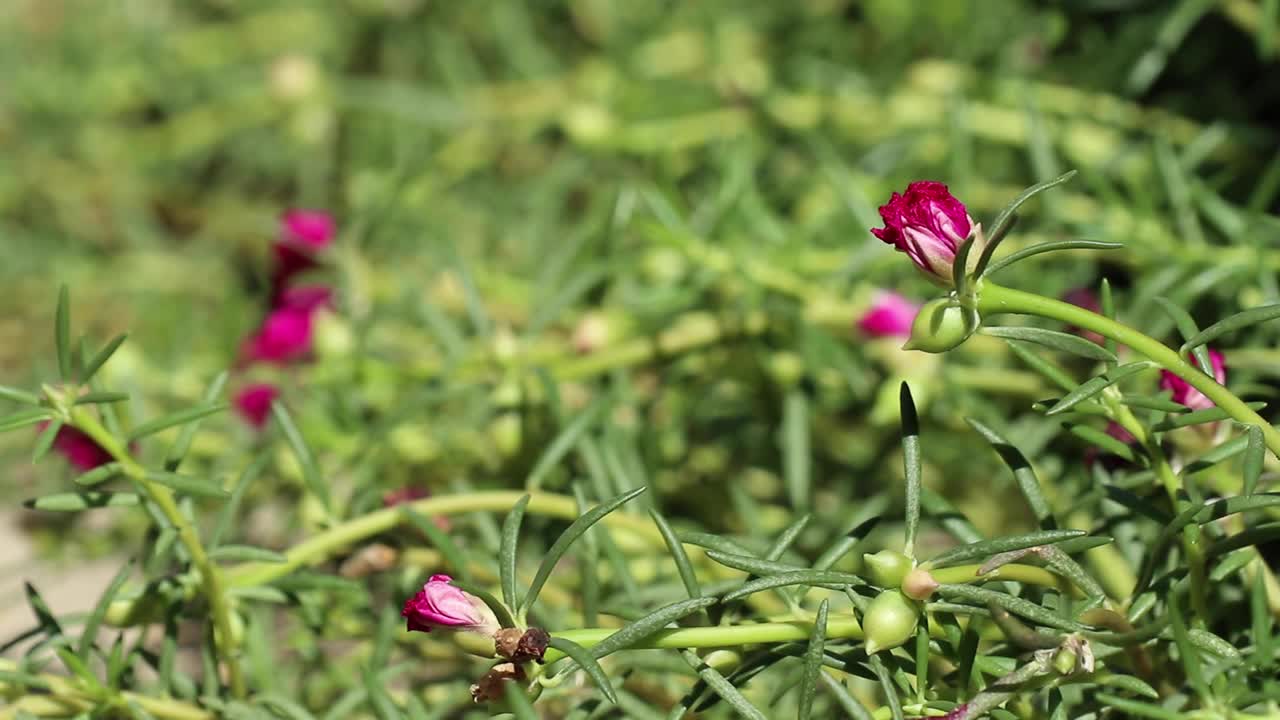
point(994, 298)
point(838, 627)
point(210, 578)
point(66, 698)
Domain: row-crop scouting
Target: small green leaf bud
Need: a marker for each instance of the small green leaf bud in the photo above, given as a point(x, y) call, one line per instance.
point(887, 568)
point(919, 584)
point(941, 325)
point(889, 622)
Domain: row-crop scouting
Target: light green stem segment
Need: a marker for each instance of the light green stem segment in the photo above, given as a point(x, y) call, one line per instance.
point(210, 577)
point(842, 627)
point(994, 298)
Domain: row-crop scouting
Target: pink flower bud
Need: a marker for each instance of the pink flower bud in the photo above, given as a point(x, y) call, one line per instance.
point(253, 402)
point(1182, 391)
point(928, 224)
point(286, 333)
point(82, 451)
point(890, 315)
point(309, 229)
point(440, 605)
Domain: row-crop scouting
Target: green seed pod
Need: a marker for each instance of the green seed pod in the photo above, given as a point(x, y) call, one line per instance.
point(887, 568)
point(889, 622)
point(941, 325)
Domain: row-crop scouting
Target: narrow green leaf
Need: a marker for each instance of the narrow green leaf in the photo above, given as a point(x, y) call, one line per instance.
point(685, 568)
point(1054, 246)
point(1053, 339)
point(1018, 606)
point(1187, 653)
point(752, 564)
point(507, 551)
point(987, 548)
point(91, 398)
point(813, 662)
point(1103, 441)
point(851, 705)
point(97, 361)
point(587, 662)
point(227, 515)
point(713, 542)
point(1260, 615)
point(823, 578)
point(44, 441)
point(1188, 329)
point(1154, 402)
point(441, 541)
point(960, 265)
point(1199, 417)
point(246, 553)
point(285, 706)
point(796, 453)
point(887, 687)
point(635, 632)
point(518, 701)
point(722, 687)
point(100, 474)
point(1022, 472)
point(1095, 385)
point(1252, 316)
point(564, 442)
point(911, 465)
point(1000, 226)
point(1253, 456)
point(310, 472)
point(1253, 536)
point(562, 543)
point(77, 501)
point(1046, 368)
point(62, 333)
point(178, 451)
point(1108, 304)
point(1134, 708)
point(178, 418)
point(21, 397)
point(950, 518)
point(845, 544)
point(505, 618)
point(49, 624)
point(90, 631)
point(188, 485)
point(787, 537)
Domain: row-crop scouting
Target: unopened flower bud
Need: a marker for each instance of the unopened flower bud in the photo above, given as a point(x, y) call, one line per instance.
point(440, 605)
point(887, 568)
point(941, 325)
point(919, 584)
point(889, 622)
point(928, 224)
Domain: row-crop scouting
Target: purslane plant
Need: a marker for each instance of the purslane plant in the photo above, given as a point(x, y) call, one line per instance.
point(1051, 622)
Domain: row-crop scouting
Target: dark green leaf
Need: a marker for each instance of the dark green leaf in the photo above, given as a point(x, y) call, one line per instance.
point(823, 578)
point(90, 631)
point(246, 553)
point(887, 687)
point(1103, 441)
point(100, 474)
point(1199, 417)
point(635, 632)
point(44, 441)
point(910, 465)
point(1046, 368)
point(722, 687)
point(1253, 456)
point(507, 551)
point(687, 575)
point(587, 662)
point(1095, 385)
point(813, 662)
point(62, 333)
point(987, 548)
point(713, 542)
point(1252, 316)
point(850, 704)
point(1154, 402)
point(1022, 472)
point(1000, 226)
point(19, 396)
point(1187, 327)
point(307, 461)
point(91, 398)
point(1054, 246)
point(1187, 654)
point(178, 418)
point(1253, 536)
point(77, 501)
point(1064, 342)
point(93, 365)
point(1260, 614)
point(1134, 708)
point(1018, 606)
point(188, 485)
point(562, 543)
point(752, 564)
point(960, 265)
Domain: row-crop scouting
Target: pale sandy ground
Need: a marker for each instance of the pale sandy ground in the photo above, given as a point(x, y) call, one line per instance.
point(74, 588)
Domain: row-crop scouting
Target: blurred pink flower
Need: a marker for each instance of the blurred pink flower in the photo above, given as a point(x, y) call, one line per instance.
point(1085, 299)
point(303, 234)
point(1182, 391)
point(253, 402)
point(82, 451)
point(890, 315)
point(286, 333)
point(306, 297)
point(928, 224)
point(443, 606)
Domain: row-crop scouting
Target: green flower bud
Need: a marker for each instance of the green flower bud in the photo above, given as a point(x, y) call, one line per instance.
point(505, 432)
point(889, 622)
point(919, 584)
point(1064, 661)
point(941, 325)
point(887, 567)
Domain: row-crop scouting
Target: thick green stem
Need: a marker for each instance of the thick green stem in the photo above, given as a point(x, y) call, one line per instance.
point(997, 299)
point(210, 578)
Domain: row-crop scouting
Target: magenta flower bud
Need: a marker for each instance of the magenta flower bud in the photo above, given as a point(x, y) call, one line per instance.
point(439, 605)
point(82, 451)
point(253, 402)
point(1182, 391)
point(284, 336)
point(928, 224)
point(309, 229)
point(890, 315)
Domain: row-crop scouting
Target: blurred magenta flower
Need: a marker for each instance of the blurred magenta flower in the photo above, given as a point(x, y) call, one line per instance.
point(1085, 299)
point(406, 494)
point(928, 224)
point(442, 606)
point(253, 402)
point(82, 451)
point(1184, 394)
point(890, 315)
point(303, 235)
point(286, 333)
